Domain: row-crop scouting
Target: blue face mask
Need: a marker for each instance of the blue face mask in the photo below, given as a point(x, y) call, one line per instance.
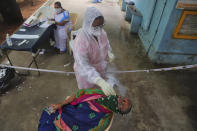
point(58, 10)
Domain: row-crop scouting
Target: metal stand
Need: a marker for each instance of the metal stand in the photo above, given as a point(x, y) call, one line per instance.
point(6, 54)
point(34, 55)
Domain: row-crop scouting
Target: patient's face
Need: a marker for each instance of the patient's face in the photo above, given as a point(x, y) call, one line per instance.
point(123, 103)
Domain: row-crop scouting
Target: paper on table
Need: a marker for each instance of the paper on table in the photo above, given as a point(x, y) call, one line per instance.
point(22, 29)
point(20, 36)
point(22, 42)
point(43, 19)
point(45, 25)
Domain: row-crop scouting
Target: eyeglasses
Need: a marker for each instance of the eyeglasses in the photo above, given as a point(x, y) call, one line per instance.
point(99, 26)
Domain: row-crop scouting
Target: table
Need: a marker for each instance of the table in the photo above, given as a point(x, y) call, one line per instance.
point(32, 45)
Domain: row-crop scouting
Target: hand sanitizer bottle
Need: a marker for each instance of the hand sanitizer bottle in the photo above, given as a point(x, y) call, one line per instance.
point(8, 40)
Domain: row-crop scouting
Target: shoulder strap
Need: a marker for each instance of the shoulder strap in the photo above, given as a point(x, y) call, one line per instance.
point(65, 16)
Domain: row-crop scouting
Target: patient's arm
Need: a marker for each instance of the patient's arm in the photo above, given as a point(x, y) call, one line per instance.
point(67, 101)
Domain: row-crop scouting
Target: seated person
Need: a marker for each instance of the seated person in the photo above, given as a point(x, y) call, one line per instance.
point(87, 110)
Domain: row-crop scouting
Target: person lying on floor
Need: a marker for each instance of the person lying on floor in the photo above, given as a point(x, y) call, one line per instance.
point(87, 110)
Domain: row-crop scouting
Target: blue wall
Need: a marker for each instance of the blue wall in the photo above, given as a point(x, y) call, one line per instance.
point(158, 40)
point(147, 37)
point(173, 45)
point(146, 7)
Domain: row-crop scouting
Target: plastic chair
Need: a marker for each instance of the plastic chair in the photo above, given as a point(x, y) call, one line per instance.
point(71, 42)
point(70, 27)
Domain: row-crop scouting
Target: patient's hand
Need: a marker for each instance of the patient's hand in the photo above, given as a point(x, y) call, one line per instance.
point(56, 106)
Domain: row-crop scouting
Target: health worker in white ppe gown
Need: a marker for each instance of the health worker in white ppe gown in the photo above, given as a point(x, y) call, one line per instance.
point(91, 52)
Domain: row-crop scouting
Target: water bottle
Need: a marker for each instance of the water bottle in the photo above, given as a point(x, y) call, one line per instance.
point(8, 40)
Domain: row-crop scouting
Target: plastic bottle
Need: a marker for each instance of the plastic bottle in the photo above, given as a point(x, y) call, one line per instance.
point(8, 40)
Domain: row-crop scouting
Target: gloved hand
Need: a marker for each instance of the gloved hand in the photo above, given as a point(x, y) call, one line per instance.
point(106, 87)
point(111, 56)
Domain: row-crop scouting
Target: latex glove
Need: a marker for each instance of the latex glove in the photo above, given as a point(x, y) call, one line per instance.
point(111, 56)
point(106, 87)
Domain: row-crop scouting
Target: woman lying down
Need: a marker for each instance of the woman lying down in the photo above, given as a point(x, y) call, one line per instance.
point(88, 110)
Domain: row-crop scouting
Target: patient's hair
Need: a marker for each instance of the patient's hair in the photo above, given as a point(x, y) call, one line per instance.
point(123, 112)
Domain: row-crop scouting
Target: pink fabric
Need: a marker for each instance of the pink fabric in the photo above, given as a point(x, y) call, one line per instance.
point(93, 107)
point(63, 124)
point(88, 97)
point(92, 54)
point(101, 108)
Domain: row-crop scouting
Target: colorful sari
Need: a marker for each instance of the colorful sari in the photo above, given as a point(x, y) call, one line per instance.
point(89, 112)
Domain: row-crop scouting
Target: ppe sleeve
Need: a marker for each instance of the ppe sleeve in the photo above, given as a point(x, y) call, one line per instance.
point(109, 46)
point(110, 54)
point(81, 56)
